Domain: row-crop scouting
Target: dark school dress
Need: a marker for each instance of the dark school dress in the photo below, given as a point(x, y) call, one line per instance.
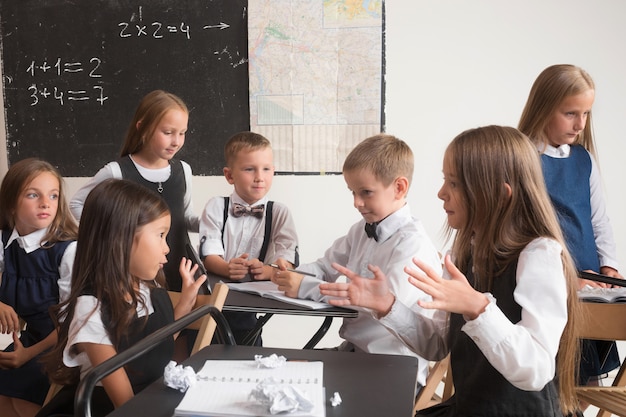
point(172, 191)
point(567, 180)
point(141, 372)
point(480, 390)
point(29, 285)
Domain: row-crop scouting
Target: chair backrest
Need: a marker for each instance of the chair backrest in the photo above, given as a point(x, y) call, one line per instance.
point(206, 325)
point(439, 373)
point(605, 321)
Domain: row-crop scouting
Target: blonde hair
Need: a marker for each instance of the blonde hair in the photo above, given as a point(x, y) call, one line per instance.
point(551, 87)
point(385, 156)
point(149, 113)
point(500, 226)
point(244, 141)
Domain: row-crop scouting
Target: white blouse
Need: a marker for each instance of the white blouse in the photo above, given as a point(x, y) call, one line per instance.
point(524, 352)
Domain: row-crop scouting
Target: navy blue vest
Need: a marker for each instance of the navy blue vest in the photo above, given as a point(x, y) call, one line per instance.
point(172, 192)
point(567, 180)
point(29, 284)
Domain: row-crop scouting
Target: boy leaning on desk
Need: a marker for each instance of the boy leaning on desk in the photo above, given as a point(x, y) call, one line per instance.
point(378, 171)
point(240, 234)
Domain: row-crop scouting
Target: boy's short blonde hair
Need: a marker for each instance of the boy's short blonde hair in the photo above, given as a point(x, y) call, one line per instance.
point(248, 141)
point(385, 156)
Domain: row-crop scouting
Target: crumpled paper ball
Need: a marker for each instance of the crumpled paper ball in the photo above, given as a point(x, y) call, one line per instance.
point(179, 377)
point(280, 398)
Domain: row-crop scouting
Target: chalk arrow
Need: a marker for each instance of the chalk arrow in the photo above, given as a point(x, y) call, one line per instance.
point(221, 26)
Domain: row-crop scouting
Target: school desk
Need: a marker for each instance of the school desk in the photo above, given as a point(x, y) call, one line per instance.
point(369, 385)
point(252, 303)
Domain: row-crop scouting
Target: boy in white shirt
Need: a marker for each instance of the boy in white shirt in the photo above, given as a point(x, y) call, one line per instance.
point(241, 234)
point(378, 171)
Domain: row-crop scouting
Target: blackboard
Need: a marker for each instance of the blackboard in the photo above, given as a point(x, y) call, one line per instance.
point(74, 72)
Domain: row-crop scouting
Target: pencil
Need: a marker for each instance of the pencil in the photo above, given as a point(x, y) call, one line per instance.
point(293, 270)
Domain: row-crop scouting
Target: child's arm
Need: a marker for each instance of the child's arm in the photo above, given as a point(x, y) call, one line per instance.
point(21, 355)
point(236, 269)
point(117, 385)
point(262, 272)
point(288, 282)
point(9, 321)
point(190, 287)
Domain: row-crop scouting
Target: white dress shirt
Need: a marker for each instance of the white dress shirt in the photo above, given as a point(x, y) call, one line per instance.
point(524, 352)
point(401, 237)
point(245, 234)
point(602, 230)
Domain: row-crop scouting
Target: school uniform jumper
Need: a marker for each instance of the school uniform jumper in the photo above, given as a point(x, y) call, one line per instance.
point(567, 180)
point(224, 234)
point(400, 238)
point(172, 191)
point(503, 361)
point(30, 285)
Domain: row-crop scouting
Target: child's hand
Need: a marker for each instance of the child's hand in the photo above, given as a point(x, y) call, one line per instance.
point(9, 321)
point(259, 271)
point(239, 267)
point(190, 287)
point(15, 359)
point(455, 295)
point(582, 283)
point(289, 282)
point(363, 292)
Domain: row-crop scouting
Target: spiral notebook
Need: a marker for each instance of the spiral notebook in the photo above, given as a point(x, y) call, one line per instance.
point(224, 386)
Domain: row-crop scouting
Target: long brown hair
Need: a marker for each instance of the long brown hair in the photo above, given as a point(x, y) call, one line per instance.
point(551, 87)
point(149, 113)
point(500, 226)
point(113, 213)
point(18, 177)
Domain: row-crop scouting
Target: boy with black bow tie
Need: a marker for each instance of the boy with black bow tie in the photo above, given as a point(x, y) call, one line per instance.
point(241, 234)
point(378, 172)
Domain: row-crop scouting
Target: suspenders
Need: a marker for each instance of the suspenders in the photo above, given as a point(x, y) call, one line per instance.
point(268, 226)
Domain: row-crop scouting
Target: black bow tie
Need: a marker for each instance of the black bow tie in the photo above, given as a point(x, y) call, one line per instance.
point(242, 210)
point(370, 230)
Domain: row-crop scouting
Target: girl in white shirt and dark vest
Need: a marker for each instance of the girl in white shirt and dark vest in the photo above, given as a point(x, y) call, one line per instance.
point(117, 296)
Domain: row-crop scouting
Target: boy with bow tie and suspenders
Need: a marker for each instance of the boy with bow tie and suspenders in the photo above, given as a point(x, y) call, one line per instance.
point(378, 171)
point(241, 234)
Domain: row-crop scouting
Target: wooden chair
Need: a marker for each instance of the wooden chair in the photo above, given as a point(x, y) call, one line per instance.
point(605, 322)
point(439, 373)
point(205, 326)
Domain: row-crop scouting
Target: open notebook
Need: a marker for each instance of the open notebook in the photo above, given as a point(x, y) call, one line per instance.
point(224, 387)
point(270, 290)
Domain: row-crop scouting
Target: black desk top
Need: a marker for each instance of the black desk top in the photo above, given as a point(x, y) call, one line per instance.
point(246, 302)
point(369, 385)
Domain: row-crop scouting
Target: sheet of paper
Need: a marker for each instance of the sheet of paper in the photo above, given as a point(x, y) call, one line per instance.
point(224, 388)
point(270, 290)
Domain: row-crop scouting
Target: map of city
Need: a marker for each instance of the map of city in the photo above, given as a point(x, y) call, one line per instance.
point(316, 72)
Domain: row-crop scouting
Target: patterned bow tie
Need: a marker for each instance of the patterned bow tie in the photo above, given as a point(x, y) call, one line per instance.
point(370, 230)
point(242, 210)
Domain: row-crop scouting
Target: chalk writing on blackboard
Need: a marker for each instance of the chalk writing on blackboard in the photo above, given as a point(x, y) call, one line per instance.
point(74, 72)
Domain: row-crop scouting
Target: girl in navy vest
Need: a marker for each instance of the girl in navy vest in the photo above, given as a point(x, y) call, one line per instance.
point(38, 245)
point(117, 296)
point(507, 306)
point(557, 118)
point(156, 134)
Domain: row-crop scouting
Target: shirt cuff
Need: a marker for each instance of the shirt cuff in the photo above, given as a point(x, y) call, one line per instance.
point(481, 329)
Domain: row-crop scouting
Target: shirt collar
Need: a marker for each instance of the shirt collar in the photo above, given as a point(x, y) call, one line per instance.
point(29, 242)
point(390, 224)
point(553, 151)
point(236, 199)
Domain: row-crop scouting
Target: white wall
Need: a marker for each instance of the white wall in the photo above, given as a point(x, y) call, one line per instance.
point(453, 65)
